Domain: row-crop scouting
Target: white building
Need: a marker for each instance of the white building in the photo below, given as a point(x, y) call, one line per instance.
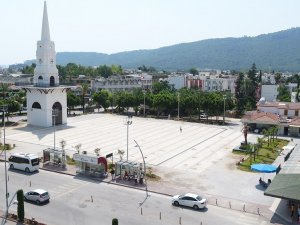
point(269, 92)
point(122, 83)
point(176, 80)
point(268, 78)
point(46, 99)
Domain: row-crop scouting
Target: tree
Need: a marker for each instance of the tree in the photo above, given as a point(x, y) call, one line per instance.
point(278, 78)
point(102, 98)
point(283, 93)
point(120, 153)
point(104, 71)
point(84, 89)
point(21, 211)
point(163, 100)
point(239, 94)
point(193, 71)
point(72, 100)
point(158, 87)
point(249, 150)
point(116, 69)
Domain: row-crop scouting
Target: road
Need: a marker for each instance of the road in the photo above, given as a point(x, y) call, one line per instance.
point(71, 203)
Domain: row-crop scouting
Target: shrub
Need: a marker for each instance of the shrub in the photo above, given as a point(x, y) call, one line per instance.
point(70, 161)
point(115, 221)
point(21, 211)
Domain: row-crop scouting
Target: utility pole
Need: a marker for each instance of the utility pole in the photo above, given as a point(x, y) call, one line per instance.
point(54, 114)
point(4, 108)
point(178, 100)
point(128, 123)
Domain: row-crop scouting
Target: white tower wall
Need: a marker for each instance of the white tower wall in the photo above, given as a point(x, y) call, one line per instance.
point(46, 96)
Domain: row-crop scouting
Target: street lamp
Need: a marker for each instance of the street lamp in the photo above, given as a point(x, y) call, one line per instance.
point(224, 98)
point(144, 167)
point(144, 92)
point(54, 115)
point(4, 108)
point(128, 123)
point(178, 100)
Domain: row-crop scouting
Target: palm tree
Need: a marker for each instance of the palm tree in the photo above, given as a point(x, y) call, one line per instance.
point(259, 145)
point(249, 150)
point(120, 153)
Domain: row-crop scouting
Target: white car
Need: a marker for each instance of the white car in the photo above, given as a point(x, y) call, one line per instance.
point(38, 196)
point(191, 200)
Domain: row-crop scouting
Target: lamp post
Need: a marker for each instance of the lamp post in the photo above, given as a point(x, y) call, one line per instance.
point(54, 114)
point(178, 100)
point(144, 167)
point(4, 108)
point(144, 92)
point(128, 123)
point(224, 98)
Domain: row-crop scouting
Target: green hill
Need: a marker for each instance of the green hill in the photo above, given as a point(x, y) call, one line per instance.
point(279, 51)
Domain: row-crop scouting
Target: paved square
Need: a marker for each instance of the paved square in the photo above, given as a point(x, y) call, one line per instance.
point(198, 158)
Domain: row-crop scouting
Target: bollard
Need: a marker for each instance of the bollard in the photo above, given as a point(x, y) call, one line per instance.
point(7, 178)
point(244, 208)
point(30, 183)
point(216, 201)
point(91, 198)
point(179, 220)
point(201, 223)
point(258, 211)
point(229, 204)
point(159, 215)
point(141, 211)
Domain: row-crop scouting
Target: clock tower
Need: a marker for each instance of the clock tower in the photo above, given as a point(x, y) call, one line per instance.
point(46, 99)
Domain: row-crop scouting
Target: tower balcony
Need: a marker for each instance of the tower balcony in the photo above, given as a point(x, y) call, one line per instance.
point(45, 85)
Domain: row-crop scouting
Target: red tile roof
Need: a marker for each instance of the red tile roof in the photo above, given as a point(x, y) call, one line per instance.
point(261, 117)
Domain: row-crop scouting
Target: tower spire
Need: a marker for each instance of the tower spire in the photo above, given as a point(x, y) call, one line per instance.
point(45, 27)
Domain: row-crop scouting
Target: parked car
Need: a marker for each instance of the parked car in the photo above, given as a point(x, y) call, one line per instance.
point(203, 116)
point(38, 196)
point(191, 200)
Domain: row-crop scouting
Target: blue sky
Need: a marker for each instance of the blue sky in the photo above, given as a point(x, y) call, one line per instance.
point(123, 25)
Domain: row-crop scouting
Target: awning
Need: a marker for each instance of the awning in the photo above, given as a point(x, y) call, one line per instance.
point(296, 126)
point(286, 186)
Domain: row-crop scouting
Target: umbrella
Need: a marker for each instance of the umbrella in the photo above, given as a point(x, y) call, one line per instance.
point(263, 168)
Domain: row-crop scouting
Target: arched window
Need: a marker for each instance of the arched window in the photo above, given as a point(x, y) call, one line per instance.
point(36, 105)
point(52, 83)
point(40, 78)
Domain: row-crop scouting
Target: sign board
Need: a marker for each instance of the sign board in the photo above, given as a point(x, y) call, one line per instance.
point(109, 155)
point(86, 158)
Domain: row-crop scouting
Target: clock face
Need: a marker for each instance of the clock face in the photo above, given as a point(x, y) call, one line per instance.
point(51, 61)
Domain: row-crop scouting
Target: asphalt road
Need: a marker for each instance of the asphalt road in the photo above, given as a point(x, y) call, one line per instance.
point(71, 203)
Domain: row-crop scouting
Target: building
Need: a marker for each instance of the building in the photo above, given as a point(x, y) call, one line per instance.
point(46, 99)
point(205, 81)
point(285, 115)
point(269, 92)
point(122, 83)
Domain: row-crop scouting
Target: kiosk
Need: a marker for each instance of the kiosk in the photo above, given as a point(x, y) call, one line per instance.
point(130, 170)
point(54, 157)
point(91, 165)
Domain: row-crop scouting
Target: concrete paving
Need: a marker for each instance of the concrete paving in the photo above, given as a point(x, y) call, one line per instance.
point(198, 159)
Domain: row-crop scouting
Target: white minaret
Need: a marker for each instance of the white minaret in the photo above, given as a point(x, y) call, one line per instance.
point(46, 99)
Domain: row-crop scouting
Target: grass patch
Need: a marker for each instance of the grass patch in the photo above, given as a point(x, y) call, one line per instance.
point(266, 154)
point(7, 146)
point(70, 161)
point(151, 176)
